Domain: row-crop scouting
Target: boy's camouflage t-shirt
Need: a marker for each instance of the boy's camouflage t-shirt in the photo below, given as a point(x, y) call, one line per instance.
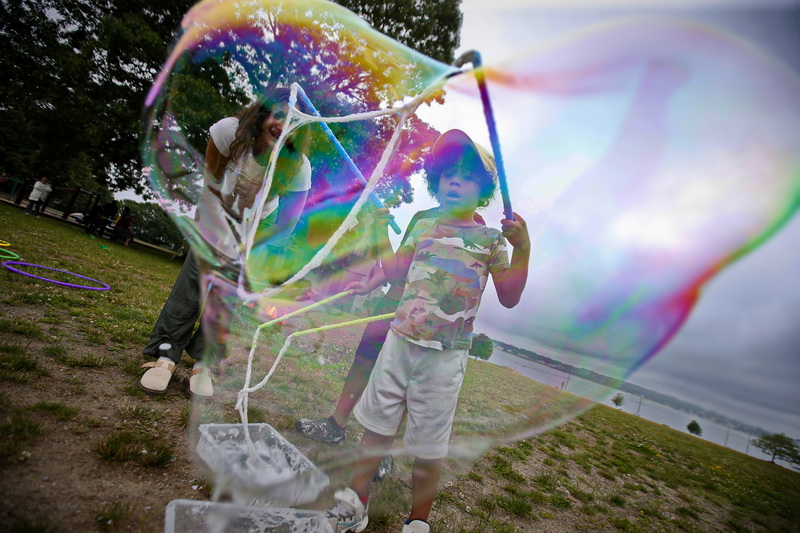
point(449, 271)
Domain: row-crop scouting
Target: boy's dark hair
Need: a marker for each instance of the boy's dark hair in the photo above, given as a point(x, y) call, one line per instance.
point(455, 146)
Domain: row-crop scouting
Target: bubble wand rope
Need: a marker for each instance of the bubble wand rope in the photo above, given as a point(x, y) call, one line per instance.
point(241, 404)
point(404, 112)
point(275, 321)
point(474, 57)
point(350, 164)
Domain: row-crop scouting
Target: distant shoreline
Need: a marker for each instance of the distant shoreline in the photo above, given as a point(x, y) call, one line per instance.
point(630, 388)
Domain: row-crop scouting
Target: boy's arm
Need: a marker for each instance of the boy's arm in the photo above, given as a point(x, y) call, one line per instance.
point(510, 283)
point(377, 279)
point(395, 265)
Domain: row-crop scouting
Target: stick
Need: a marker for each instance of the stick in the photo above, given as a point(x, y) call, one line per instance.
point(350, 164)
point(474, 57)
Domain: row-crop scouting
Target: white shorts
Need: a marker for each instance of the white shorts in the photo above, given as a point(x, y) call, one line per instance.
point(423, 381)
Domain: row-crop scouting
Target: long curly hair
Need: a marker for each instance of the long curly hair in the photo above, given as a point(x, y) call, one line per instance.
point(251, 122)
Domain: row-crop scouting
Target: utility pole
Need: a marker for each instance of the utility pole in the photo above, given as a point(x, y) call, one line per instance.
point(726, 437)
point(639, 406)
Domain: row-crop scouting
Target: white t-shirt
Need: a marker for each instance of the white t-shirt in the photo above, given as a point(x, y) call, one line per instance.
point(225, 207)
point(223, 134)
point(40, 191)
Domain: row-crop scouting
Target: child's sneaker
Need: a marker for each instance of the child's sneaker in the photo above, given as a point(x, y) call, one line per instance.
point(416, 526)
point(324, 429)
point(384, 469)
point(349, 514)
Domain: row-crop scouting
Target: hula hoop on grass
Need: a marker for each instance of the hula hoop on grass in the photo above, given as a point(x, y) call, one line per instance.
point(8, 264)
point(8, 254)
point(5, 243)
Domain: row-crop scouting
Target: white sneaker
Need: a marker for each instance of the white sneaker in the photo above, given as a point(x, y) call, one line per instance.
point(349, 514)
point(417, 526)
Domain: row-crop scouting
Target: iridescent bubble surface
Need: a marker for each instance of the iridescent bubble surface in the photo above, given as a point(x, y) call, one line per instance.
point(644, 155)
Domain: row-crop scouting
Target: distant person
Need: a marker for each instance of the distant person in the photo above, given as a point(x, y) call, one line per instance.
point(41, 189)
point(123, 229)
point(99, 217)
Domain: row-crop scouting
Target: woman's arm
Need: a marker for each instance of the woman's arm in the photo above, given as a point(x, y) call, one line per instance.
point(510, 283)
point(215, 161)
point(289, 210)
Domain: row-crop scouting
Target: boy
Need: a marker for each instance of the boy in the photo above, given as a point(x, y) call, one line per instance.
point(332, 429)
point(445, 262)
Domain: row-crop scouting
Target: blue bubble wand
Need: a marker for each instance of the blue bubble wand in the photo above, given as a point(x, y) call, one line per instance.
point(472, 56)
point(350, 164)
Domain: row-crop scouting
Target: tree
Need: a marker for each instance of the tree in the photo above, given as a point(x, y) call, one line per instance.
point(76, 72)
point(694, 428)
point(430, 27)
point(482, 347)
point(618, 400)
point(779, 446)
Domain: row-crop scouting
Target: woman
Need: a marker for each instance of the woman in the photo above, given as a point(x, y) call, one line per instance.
point(41, 189)
point(237, 158)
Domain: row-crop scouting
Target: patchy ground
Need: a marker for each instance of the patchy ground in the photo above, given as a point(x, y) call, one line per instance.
point(576, 478)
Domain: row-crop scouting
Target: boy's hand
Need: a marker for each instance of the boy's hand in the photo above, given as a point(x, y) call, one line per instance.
point(357, 287)
point(516, 232)
point(382, 216)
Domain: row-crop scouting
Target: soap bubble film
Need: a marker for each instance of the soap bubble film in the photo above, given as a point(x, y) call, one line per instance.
point(645, 155)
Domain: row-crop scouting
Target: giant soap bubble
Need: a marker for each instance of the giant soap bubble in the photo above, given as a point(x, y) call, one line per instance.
point(645, 155)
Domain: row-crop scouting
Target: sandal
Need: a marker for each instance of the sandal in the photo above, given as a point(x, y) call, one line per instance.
point(156, 380)
point(199, 385)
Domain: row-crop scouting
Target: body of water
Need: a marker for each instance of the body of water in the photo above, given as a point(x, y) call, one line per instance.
point(655, 412)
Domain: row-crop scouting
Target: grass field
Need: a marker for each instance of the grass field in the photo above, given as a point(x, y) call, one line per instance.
point(82, 449)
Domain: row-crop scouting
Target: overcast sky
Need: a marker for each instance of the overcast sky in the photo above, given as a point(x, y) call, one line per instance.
point(738, 353)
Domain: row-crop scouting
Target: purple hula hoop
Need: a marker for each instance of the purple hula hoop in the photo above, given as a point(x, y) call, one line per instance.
point(8, 264)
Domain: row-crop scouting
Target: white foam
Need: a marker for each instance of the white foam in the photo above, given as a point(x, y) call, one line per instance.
point(191, 516)
point(272, 470)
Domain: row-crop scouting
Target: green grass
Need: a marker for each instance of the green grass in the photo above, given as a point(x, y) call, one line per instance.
point(16, 365)
point(124, 446)
point(15, 432)
point(23, 328)
point(112, 514)
point(61, 411)
point(604, 468)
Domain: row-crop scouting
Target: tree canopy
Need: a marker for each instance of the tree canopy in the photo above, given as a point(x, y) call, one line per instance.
point(779, 446)
point(76, 72)
point(694, 428)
